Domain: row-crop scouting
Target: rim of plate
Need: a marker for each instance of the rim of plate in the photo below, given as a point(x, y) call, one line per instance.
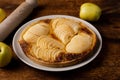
point(20, 54)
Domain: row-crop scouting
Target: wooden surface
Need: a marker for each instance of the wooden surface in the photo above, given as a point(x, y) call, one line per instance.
point(107, 64)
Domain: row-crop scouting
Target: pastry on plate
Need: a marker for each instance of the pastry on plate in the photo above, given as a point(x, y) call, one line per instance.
point(57, 42)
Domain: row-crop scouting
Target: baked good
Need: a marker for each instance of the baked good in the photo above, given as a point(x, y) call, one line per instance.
point(57, 42)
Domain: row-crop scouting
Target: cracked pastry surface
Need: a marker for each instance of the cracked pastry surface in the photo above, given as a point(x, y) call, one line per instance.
point(57, 42)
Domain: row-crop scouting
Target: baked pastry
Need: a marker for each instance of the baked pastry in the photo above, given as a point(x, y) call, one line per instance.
point(57, 42)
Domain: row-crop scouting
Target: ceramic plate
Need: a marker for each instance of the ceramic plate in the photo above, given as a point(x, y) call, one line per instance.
point(20, 54)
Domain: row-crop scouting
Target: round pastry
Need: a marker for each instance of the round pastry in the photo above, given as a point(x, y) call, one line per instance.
point(57, 42)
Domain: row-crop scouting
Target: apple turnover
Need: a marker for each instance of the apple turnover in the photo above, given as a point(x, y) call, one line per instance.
point(57, 42)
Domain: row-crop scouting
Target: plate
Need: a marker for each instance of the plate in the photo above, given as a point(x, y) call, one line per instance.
point(20, 54)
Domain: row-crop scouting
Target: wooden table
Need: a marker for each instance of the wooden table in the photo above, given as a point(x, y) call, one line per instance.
point(107, 64)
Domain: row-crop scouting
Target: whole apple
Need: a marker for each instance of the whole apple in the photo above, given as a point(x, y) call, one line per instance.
point(90, 12)
point(5, 54)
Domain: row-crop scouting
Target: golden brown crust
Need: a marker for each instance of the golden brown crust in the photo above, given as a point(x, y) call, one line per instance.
point(63, 58)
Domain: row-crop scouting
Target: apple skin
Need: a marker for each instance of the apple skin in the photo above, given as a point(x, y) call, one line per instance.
point(5, 54)
point(2, 14)
point(90, 12)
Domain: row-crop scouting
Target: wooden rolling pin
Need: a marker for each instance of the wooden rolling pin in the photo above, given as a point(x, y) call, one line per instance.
point(16, 17)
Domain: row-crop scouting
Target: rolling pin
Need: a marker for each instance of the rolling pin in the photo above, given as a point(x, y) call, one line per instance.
point(16, 17)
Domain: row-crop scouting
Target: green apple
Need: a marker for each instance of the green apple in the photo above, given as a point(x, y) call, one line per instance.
point(5, 54)
point(90, 12)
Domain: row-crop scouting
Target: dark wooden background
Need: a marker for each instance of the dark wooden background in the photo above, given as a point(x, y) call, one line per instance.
point(107, 64)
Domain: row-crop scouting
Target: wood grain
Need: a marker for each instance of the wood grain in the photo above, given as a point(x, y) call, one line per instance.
point(105, 67)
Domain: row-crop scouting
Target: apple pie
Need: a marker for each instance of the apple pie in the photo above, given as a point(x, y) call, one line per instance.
point(57, 42)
